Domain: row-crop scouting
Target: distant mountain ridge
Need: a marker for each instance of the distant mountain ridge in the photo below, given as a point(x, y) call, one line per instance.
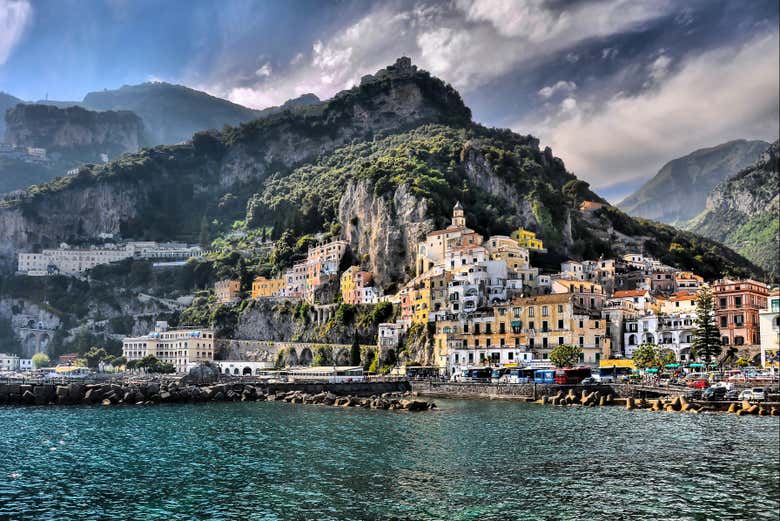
point(679, 190)
point(744, 212)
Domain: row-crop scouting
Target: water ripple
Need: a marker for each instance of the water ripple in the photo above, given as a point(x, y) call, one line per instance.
point(470, 460)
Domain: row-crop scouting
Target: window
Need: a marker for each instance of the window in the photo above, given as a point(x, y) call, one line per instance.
point(545, 328)
point(723, 321)
point(560, 308)
point(465, 328)
point(722, 303)
point(739, 341)
point(488, 329)
point(531, 325)
point(502, 328)
point(511, 355)
point(582, 341)
point(530, 343)
point(476, 329)
point(724, 340)
point(544, 311)
point(739, 320)
point(516, 312)
point(560, 324)
point(560, 340)
point(530, 312)
point(737, 302)
point(544, 343)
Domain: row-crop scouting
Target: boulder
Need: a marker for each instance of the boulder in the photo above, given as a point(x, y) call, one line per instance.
point(105, 402)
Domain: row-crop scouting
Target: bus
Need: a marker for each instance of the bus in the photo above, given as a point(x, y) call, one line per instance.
point(544, 376)
point(571, 375)
point(521, 376)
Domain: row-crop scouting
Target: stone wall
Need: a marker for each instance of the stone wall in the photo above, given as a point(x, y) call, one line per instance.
point(518, 391)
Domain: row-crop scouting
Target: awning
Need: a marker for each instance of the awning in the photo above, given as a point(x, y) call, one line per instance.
point(653, 370)
point(672, 366)
point(695, 365)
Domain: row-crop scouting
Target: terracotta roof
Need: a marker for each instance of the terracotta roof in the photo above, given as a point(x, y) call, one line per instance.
point(630, 293)
point(684, 296)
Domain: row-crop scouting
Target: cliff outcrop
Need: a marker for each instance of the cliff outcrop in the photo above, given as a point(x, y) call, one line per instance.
point(74, 131)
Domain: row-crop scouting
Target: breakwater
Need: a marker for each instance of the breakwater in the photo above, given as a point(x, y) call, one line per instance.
point(150, 392)
point(528, 391)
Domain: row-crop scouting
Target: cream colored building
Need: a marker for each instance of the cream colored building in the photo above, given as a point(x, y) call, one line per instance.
point(178, 347)
point(769, 322)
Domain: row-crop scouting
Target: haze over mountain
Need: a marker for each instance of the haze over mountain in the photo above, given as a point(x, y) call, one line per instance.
point(743, 212)
point(679, 190)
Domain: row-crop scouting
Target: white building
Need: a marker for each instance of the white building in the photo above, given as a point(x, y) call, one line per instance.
point(769, 324)
point(67, 260)
point(178, 347)
point(673, 332)
point(9, 362)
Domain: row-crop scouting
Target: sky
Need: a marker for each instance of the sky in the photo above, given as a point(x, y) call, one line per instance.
point(615, 87)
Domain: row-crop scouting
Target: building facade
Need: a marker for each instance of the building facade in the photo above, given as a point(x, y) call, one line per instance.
point(769, 321)
point(737, 307)
point(178, 347)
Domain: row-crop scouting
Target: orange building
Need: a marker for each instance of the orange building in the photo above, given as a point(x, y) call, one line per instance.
point(737, 304)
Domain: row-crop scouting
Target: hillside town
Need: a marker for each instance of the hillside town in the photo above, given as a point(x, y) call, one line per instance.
point(481, 301)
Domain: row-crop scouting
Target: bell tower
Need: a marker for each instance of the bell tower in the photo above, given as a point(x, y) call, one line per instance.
point(458, 218)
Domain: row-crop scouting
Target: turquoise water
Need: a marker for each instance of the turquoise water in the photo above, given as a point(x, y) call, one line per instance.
point(477, 460)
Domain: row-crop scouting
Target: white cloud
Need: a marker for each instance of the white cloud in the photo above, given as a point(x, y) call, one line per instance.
point(711, 98)
point(467, 43)
point(264, 71)
point(560, 87)
point(659, 68)
point(15, 15)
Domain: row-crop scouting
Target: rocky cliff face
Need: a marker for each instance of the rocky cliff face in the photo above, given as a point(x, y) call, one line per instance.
point(385, 229)
point(679, 190)
point(382, 162)
point(74, 130)
point(744, 211)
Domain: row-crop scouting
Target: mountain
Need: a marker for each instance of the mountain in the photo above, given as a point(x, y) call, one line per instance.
point(744, 212)
point(379, 165)
point(172, 113)
point(6, 102)
point(74, 131)
point(679, 190)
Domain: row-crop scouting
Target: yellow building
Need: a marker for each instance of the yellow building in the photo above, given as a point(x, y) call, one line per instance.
point(550, 320)
point(263, 287)
point(227, 291)
point(421, 301)
point(527, 239)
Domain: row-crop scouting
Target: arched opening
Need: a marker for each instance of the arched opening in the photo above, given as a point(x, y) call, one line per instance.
point(247, 371)
point(291, 358)
point(235, 371)
point(632, 340)
point(227, 370)
point(306, 356)
point(44, 341)
point(31, 324)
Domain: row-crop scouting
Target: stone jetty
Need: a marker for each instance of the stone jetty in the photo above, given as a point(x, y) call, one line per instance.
point(668, 404)
point(150, 392)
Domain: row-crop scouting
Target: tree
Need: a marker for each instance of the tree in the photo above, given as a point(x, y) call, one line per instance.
point(646, 356)
point(94, 356)
point(565, 355)
point(40, 360)
point(706, 341)
point(204, 232)
point(354, 352)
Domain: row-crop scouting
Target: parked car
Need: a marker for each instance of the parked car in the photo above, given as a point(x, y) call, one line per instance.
point(714, 394)
point(589, 381)
point(700, 383)
point(731, 395)
point(756, 393)
point(693, 394)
